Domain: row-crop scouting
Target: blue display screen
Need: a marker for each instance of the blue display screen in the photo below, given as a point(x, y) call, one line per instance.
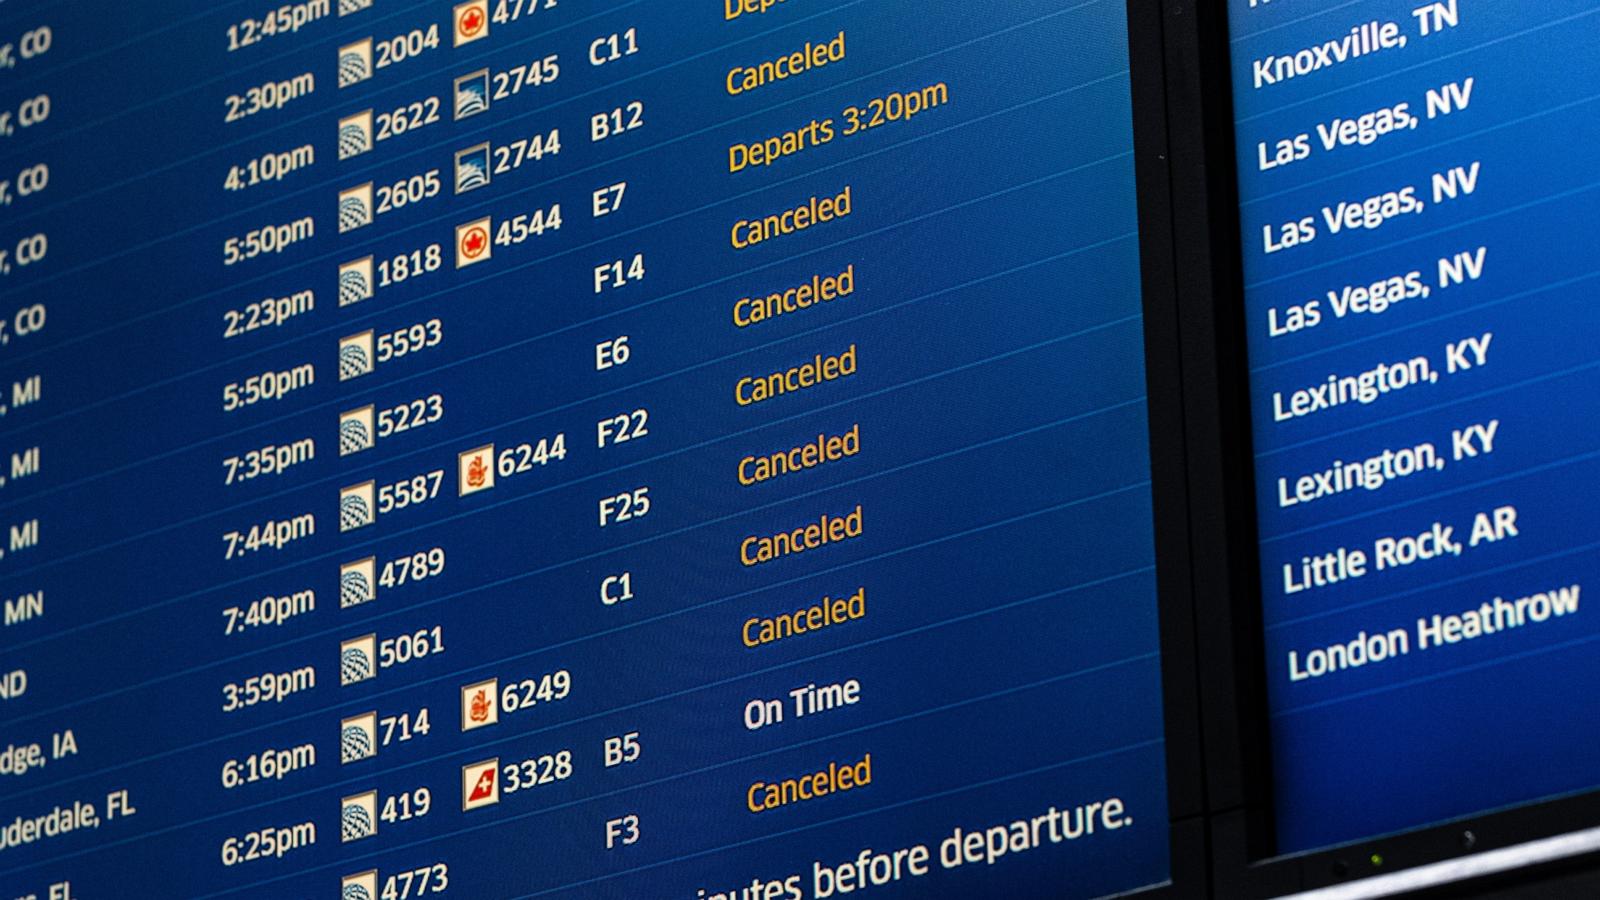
point(520, 448)
point(1418, 183)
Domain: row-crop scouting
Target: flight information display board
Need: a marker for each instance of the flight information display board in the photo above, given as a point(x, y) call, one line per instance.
point(1417, 182)
point(595, 448)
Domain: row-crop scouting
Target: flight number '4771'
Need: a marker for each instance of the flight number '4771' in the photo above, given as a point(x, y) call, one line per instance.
point(508, 11)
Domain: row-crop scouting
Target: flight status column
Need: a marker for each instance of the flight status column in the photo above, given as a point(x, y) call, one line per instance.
point(1417, 183)
point(520, 448)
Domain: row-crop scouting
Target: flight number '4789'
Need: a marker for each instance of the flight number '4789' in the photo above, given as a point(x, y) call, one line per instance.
point(419, 566)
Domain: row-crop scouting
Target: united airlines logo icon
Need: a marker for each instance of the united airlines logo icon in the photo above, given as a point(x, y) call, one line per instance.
point(472, 21)
point(355, 356)
point(355, 208)
point(358, 506)
point(358, 582)
point(477, 470)
point(358, 817)
point(351, 7)
point(472, 168)
point(480, 784)
point(480, 705)
point(355, 63)
point(472, 94)
point(358, 738)
point(355, 134)
point(473, 243)
point(357, 660)
point(363, 886)
point(355, 281)
point(357, 430)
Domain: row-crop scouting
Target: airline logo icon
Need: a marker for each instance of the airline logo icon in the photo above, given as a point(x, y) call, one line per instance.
point(358, 817)
point(357, 430)
point(358, 738)
point(351, 7)
point(355, 63)
point(472, 168)
point(355, 208)
point(480, 784)
point(477, 470)
point(358, 660)
point(472, 94)
point(355, 356)
point(355, 134)
point(363, 886)
point(358, 582)
point(473, 243)
point(472, 21)
point(480, 705)
point(358, 506)
point(355, 281)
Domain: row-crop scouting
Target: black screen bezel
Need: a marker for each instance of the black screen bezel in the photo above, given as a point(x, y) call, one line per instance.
point(1187, 802)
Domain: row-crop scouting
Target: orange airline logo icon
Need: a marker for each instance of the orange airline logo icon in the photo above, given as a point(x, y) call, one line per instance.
point(479, 711)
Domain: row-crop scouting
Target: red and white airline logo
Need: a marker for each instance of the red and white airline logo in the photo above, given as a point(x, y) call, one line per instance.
point(472, 21)
point(480, 784)
point(473, 243)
